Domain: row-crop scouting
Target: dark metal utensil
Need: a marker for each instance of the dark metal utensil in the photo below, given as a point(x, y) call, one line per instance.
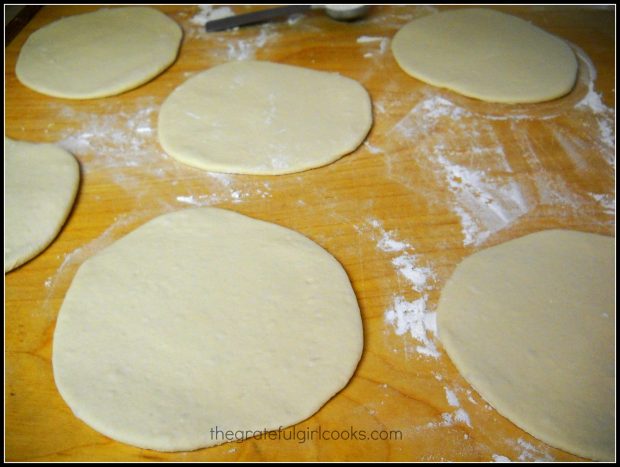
point(338, 12)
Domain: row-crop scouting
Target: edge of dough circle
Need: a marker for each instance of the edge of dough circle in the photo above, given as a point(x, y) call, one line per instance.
point(264, 118)
point(487, 55)
point(42, 182)
point(98, 54)
point(203, 320)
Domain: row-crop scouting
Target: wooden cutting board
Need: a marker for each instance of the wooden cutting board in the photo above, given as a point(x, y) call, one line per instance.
point(440, 176)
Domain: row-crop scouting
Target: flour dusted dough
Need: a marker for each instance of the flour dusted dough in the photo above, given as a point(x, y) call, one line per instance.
point(486, 54)
point(264, 118)
point(530, 324)
point(203, 319)
point(98, 54)
point(41, 184)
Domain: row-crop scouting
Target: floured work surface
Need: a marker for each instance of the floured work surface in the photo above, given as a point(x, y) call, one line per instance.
point(439, 177)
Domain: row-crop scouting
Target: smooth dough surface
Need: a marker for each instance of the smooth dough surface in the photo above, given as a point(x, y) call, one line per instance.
point(41, 184)
point(264, 118)
point(98, 54)
point(205, 319)
point(530, 324)
point(487, 55)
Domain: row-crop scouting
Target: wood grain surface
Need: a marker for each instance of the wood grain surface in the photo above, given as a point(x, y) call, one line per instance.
point(440, 177)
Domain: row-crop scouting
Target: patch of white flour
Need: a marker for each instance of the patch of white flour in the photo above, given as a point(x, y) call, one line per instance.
point(209, 13)
point(194, 27)
point(372, 149)
point(418, 276)
point(484, 203)
point(412, 318)
point(530, 453)
point(603, 116)
point(366, 39)
point(229, 193)
point(463, 153)
point(451, 397)
point(114, 139)
point(245, 48)
point(384, 43)
point(459, 415)
point(408, 317)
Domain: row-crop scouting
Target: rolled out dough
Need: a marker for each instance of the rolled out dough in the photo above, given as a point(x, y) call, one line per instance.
point(201, 320)
point(487, 55)
point(41, 184)
point(98, 54)
point(256, 117)
point(531, 325)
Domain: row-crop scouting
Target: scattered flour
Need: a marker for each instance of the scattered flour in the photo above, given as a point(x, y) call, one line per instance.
point(470, 398)
point(116, 138)
point(294, 19)
point(189, 200)
point(224, 179)
point(119, 138)
point(459, 415)
point(530, 453)
point(366, 39)
point(235, 44)
point(410, 317)
point(499, 458)
point(603, 116)
point(448, 419)
point(241, 44)
point(384, 43)
point(372, 149)
point(607, 202)
point(575, 148)
point(194, 27)
point(209, 13)
point(418, 276)
point(229, 194)
point(592, 100)
point(390, 244)
point(484, 204)
point(451, 397)
point(462, 151)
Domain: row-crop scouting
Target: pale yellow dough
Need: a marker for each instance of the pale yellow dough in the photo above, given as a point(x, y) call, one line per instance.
point(487, 55)
point(531, 325)
point(205, 319)
point(256, 117)
point(98, 54)
point(41, 184)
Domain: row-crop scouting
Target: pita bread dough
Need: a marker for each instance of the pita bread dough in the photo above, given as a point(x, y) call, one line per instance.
point(264, 118)
point(205, 319)
point(530, 324)
point(41, 184)
point(98, 54)
point(487, 55)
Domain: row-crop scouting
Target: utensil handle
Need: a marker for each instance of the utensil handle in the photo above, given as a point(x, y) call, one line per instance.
point(254, 17)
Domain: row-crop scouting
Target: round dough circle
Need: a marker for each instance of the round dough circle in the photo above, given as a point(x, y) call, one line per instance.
point(530, 324)
point(205, 319)
point(41, 185)
point(256, 117)
point(98, 54)
point(487, 55)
